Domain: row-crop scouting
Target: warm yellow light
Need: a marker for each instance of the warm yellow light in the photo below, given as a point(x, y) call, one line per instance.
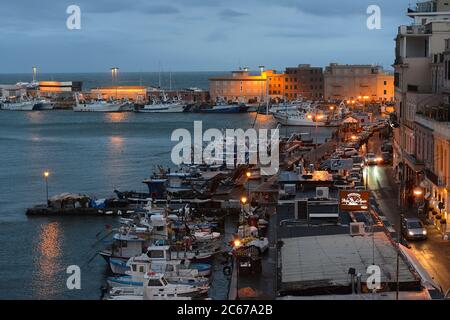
point(46, 174)
point(418, 192)
point(310, 116)
point(248, 174)
point(244, 200)
point(320, 117)
point(237, 243)
point(331, 108)
point(354, 138)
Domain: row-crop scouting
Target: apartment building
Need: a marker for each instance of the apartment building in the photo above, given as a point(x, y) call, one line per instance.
point(422, 96)
point(357, 82)
point(304, 81)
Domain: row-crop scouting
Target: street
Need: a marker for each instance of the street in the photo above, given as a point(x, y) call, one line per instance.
point(433, 253)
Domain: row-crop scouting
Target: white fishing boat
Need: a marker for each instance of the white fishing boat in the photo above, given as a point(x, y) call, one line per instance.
point(308, 117)
point(156, 287)
point(99, 105)
point(157, 259)
point(18, 105)
point(43, 104)
point(163, 106)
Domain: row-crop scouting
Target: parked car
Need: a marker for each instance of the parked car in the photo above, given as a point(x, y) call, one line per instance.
point(358, 160)
point(350, 152)
point(387, 157)
point(371, 159)
point(413, 229)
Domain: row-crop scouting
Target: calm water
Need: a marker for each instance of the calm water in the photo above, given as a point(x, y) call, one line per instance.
point(87, 153)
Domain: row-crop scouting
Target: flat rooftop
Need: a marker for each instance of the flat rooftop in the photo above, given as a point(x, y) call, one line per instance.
point(323, 261)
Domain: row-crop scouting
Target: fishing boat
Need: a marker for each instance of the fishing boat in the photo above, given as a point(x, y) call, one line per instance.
point(222, 106)
point(155, 287)
point(163, 106)
point(99, 105)
point(18, 105)
point(304, 118)
point(157, 259)
point(43, 104)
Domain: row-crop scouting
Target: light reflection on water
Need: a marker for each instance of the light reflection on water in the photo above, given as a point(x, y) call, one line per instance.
point(47, 262)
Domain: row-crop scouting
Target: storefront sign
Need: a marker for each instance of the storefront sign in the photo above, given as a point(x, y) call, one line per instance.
point(354, 201)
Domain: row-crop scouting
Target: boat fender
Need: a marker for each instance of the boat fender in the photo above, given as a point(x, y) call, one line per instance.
point(227, 270)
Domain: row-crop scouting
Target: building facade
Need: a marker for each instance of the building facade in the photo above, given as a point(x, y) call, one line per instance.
point(422, 102)
point(243, 87)
point(304, 82)
point(357, 82)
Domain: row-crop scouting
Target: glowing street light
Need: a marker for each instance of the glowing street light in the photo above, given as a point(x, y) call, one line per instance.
point(237, 243)
point(309, 117)
point(46, 175)
point(244, 200)
point(418, 192)
point(248, 174)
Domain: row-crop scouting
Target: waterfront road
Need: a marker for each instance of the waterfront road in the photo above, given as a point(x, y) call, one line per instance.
point(433, 253)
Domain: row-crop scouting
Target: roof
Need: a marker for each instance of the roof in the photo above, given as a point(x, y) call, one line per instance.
point(324, 261)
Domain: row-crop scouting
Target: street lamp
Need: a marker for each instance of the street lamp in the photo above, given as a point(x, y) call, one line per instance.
point(46, 175)
point(418, 192)
point(248, 174)
point(237, 244)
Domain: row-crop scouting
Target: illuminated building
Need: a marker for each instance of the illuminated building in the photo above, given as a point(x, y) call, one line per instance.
point(134, 93)
point(358, 82)
point(243, 87)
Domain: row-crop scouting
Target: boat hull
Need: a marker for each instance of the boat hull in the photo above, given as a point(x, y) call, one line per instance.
point(99, 108)
point(20, 106)
point(162, 108)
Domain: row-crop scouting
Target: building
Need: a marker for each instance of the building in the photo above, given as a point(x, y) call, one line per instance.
point(358, 82)
point(7, 91)
point(243, 87)
point(304, 82)
point(132, 93)
point(55, 87)
point(422, 91)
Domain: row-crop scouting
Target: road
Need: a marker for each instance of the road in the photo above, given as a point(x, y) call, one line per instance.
point(433, 253)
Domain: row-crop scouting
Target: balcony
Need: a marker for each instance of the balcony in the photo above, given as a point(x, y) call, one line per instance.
point(419, 30)
point(436, 119)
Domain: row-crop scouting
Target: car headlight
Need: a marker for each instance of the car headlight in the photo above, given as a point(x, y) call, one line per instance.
point(411, 233)
point(424, 232)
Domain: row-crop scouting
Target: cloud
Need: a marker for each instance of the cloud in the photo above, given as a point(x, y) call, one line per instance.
point(161, 9)
point(231, 14)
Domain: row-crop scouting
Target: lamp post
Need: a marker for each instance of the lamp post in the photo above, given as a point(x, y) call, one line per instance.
point(237, 244)
point(248, 174)
point(46, 175)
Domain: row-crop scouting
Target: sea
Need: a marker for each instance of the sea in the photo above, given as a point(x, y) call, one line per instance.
point(92, 154)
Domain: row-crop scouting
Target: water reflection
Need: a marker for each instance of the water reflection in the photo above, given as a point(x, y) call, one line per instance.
point(116, 144)
point(116, 117)
point(48, 272)
point(35, 116)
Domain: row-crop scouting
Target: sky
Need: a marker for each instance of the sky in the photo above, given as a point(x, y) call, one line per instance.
point(194, 35)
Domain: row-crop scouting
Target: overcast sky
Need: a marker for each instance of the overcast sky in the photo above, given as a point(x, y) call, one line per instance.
point(194, 35)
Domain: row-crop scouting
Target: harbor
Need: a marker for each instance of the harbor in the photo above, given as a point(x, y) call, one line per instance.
point(169, 201)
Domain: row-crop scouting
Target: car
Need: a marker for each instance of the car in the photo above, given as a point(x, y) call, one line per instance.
point(354, 177)
point(413, 229)
point(371, 159)
point(358, 161)
point(386, 157)
point(350, 152)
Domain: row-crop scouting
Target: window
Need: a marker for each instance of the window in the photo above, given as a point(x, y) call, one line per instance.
point(385, 83)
